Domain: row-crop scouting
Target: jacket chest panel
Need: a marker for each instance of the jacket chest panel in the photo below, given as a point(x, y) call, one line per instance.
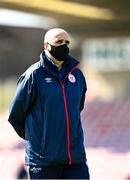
point(49, 88)
point(73, 89)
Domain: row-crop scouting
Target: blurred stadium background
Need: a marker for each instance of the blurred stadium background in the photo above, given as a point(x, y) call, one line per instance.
point(100, 32)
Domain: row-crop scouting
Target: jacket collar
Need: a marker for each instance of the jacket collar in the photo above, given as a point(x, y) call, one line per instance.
point(68, 66)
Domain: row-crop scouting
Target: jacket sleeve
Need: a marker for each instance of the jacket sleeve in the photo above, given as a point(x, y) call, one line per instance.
point(22, 102)
point(83, 94)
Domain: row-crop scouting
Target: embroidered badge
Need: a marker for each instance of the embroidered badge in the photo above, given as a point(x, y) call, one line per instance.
point(72, 78)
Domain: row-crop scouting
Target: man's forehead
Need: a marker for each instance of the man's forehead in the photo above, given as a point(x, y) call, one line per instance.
point(59, 36)
point(56, 34)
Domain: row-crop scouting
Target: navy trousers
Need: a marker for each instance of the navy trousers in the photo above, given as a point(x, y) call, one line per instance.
point(74, 171)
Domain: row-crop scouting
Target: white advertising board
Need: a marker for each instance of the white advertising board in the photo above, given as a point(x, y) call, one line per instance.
point(107, 54)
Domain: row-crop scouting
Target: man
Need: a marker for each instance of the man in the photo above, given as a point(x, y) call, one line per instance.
point(46, 112)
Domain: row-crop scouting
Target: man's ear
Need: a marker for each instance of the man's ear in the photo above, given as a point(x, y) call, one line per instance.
point(47, 46)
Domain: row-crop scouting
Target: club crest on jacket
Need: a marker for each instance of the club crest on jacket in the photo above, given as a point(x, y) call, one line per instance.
point(72, 78)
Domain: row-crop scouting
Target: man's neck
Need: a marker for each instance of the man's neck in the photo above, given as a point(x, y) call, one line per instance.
point(57, 63)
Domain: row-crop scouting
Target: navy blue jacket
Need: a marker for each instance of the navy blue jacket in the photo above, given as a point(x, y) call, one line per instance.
point(46, 112)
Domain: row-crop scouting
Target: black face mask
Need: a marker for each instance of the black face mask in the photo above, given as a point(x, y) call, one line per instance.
point(60, 53)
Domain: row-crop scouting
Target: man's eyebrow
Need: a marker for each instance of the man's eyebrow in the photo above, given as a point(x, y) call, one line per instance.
point(61, 40)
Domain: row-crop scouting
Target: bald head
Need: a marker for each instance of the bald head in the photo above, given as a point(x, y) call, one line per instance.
point(56, 37)
point(56, 43)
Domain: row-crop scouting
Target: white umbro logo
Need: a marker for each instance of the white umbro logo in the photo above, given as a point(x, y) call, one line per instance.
point(72, 78)
point(48, 80)
point(36, 169)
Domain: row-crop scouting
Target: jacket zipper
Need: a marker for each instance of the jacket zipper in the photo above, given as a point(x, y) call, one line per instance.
point(67, 124)
point(67, 118)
